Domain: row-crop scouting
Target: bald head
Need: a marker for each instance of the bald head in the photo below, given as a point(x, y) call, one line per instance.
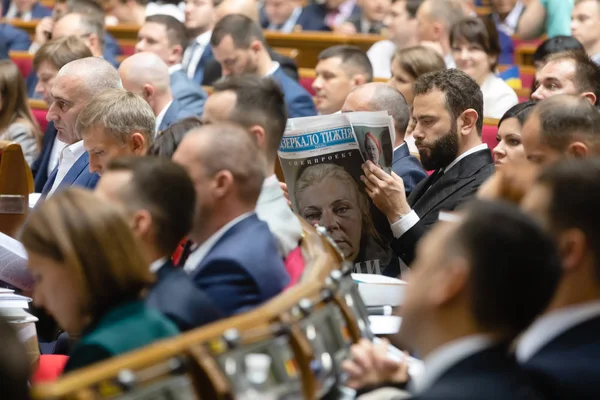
point(248, 8)
point(95, 74)
point(143, 69)
point(378, 96)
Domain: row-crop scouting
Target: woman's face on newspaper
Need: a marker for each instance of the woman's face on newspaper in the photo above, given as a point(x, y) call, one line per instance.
point(334, 205)
point(372, 150)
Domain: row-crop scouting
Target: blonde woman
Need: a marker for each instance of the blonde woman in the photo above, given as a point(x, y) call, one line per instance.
point(17, 123)
point(91, 276)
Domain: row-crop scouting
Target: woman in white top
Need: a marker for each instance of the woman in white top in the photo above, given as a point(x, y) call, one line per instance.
point(17, 123)
point(475, 49)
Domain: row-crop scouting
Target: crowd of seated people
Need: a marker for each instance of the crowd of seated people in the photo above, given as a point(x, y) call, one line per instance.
point(162, 208)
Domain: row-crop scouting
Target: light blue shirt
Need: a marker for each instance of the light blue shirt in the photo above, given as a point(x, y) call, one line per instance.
point(558, 17)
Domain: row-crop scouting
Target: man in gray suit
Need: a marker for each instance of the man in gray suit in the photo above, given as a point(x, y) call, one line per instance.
point(258, 105)
point(166, 37)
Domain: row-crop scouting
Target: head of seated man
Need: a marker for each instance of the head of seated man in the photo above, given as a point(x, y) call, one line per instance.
point(164, 36)
point(571, 72)
point(339, 70)
point(247, 8)
point(460, 287)
point(75, 85)
point(254, 103)
point(51, 57)
point(88, 27)
point(239, 46)
point(115, 123)
point(279, 11)
point(585, 26)
point(561, 126)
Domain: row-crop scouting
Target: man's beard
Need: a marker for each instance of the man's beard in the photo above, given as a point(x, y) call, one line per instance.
point(442, 152)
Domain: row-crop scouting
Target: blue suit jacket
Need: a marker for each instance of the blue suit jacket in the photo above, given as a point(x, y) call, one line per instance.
point(38, 11)
point(175, 296)
point(243, 269)
point(297, 100)
point(190, 95)
point(174, 113)
point(39, 169)
point(78, 175)
point(206, 57)
point(12, 38)
point(313, 16)
point(408, 167)
point(567, 367)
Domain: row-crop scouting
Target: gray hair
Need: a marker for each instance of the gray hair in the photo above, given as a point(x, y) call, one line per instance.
point(96, 74)
point(389, 99)
point(120, 113)
point(448, 12)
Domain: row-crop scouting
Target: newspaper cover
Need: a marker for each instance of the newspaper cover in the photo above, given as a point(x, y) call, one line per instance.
point(321, 158)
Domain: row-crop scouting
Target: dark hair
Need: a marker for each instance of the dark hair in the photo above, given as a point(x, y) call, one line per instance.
point(167, 142)
point(165, 190)
point(351, 56)
point(461, 91)
point(563, 118)
point(587, 73)
point(259, 101)
point(481, 32)
point(574, 186)
point(508, 289)
point(412, 6)
point(418, 60)
point(60, 52)
point(519, 111)
point(243, 31)
point(556, 44)
point(176, 31)
point(14, 364)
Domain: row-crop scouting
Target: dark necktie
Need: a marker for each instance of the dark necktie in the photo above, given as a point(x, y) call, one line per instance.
point(49, 182)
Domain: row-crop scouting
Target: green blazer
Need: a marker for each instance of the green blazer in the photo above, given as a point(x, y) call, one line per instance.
point(125, 328)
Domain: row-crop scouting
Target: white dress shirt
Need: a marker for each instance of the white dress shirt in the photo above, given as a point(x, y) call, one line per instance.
point(274, 67)
point(548, 327)
point(12, 13)
point(198, 255)
point(160, 117)
point(69, 156)
point(175, 68)
point(449, 61)
point(57, 148)
point(509, 25)
point(405, 223)
point(192, 56)
point(380, 55)
point(289, 25)
point(445, 357)
point(157, 264)
point(498, 97)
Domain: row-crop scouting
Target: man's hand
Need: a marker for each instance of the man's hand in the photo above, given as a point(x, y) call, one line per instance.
point(286, 193)
point(42, 30)
point(386, 191)
point(371, 366)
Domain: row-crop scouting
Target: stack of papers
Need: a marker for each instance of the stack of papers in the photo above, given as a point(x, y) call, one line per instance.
point(13, 264)
point(379, 290)
point(13, 307)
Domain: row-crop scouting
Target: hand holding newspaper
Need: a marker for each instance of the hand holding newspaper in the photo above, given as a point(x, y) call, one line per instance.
point(321, 158)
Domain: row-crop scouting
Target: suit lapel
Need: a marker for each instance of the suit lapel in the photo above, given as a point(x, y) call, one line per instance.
point(400, 153)
point(170, 116)
point(206, 55)
point(420, 190)
point(443, 188)
point(77, 169)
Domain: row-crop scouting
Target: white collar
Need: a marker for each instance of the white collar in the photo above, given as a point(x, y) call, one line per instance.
point(270, 180)
point(274, 67)
point(396, 148)
point(204, 38)
point(551, 325)
point(157, 264)
point(198, 255)
point(365, 25)
point(449, 61)
point(445, 357)
point(160, 117)
point(475, 149)
point(509, 24)
point(289, 25)
point(175, 68)
point(73, 151)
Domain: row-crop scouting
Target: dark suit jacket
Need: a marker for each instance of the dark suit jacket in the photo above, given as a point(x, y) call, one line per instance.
point(408, 167)
point(243, 269)
point(212, 71)
point(174, 113)
point(313, 17)
point(38, 11)
point(490, 374)
point(190, 95)
point(39, 169)
point(78, 175)
point(297, 100)
point(567, 367)
point(206, 59)
point(356, 20)
point(448, 192)
point(175, 296)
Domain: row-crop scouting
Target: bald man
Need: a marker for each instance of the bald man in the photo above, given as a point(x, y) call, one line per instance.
point(147, 75)
point(74, 86)
point(379, 96)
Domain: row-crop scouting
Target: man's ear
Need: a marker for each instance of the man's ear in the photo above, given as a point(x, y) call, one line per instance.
point(578, 150)
point(222, 182)
point(438, 30)
point(256, 46)
point(590, 96)
point(572, 247)
point(450, 282)
point(93, 42)
point(141, 223)
point(176, 54)
point(138, 144)
point(359, 79)
point(148, 91)
point(259, 134)
point(469, 119)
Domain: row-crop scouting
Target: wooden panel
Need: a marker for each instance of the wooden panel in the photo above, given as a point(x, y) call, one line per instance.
point(524, 54)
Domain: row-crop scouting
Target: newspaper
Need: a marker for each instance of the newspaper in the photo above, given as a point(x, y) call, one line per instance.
point(13, 264)
point(321, 158)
